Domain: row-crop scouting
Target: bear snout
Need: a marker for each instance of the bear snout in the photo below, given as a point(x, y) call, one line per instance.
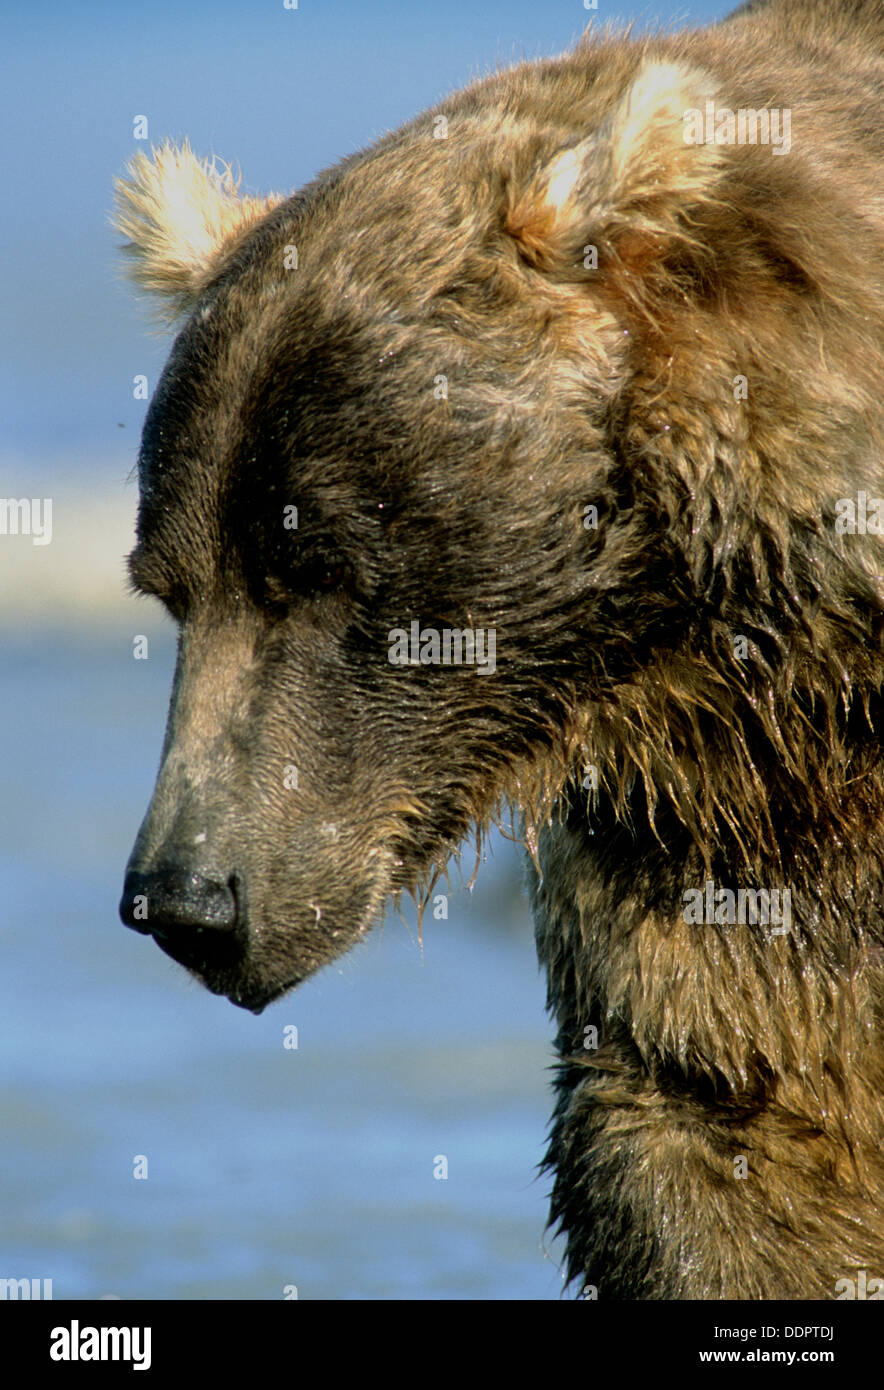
point(194, 919)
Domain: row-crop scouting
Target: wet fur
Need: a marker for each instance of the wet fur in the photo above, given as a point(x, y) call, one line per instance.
point(616, 646)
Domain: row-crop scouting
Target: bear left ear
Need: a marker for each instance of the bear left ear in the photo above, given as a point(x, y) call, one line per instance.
point(626, 187)
point(179, 213)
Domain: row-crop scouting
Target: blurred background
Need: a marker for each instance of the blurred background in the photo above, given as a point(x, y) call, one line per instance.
point(268, 1166)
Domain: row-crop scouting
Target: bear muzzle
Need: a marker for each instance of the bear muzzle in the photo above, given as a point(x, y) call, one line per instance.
point(198, 921)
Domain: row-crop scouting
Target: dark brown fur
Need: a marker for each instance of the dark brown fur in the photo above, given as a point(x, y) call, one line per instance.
point(567, 387)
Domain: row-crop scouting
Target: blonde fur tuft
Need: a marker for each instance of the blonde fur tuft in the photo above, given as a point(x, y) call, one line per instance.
point(179, 214)
point(634, 174)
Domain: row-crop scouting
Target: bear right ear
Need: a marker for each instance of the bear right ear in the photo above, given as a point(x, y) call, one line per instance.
point(179, 213)
point(627, 187)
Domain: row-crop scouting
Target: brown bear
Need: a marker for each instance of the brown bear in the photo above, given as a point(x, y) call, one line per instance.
point(533, 456)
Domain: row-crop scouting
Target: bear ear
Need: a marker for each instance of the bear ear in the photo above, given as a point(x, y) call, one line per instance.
point(179, 213)
point(628, 187)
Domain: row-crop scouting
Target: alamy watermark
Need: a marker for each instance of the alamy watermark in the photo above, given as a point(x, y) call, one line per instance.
point(747, 126)
point(25, 1289)
point(862, 1287)
point(863, 517)
point(76, 1343)
point(447, 646)
point(711, 906)
point(27, 516)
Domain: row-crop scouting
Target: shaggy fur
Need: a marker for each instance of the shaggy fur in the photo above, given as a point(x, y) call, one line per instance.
point(688, 690)
point(180, 213)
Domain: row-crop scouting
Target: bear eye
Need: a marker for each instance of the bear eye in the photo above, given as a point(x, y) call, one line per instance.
point(314, 570)
point(322, 575)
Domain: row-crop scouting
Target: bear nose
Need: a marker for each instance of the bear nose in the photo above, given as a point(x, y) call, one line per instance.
point(192, 918)
point(166, 901)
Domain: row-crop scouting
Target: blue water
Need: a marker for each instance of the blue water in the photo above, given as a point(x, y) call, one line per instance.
point(267, 1167)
